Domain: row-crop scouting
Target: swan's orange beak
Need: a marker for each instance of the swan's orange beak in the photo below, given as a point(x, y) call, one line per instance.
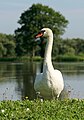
point(40, 34)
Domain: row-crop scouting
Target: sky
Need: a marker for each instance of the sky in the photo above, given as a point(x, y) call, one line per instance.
point(73, 10)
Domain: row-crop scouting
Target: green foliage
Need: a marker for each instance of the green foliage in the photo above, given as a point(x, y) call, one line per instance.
point(70, 47)
point(47, 110)
point(31, 21)
point(63, 50)
point(58, 58)
point(69, 58)
point(2, 50)
point(7, 45)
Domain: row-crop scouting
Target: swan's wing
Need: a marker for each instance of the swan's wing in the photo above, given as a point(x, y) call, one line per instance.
point(38, 80)
point(58, 81)
point(58, 75)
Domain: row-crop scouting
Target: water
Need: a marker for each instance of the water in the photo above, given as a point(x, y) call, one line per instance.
point(17, 80)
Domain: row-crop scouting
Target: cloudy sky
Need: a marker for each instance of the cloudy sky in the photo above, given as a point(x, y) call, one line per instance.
point(73, 10)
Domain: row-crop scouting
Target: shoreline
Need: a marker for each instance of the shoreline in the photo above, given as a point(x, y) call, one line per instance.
point(59, 58)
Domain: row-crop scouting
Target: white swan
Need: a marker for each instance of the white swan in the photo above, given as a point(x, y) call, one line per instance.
point(49, 83)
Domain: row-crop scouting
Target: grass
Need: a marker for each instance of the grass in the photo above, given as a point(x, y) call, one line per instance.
point(72, 109)
point(69, 58)
point(59, 58)
point(20, 59)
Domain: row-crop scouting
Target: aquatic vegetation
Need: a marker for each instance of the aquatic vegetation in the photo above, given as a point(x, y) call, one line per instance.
point(72, 109)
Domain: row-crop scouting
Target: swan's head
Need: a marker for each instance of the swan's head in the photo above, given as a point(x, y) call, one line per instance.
point(45, 32)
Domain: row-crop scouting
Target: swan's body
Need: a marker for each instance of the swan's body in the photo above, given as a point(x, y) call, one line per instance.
point(50, 82)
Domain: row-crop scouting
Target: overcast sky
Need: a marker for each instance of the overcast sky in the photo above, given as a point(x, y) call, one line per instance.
point(73, 10)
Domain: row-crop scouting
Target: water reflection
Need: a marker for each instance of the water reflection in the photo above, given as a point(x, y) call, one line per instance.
point(25, 79)
point(17, 80)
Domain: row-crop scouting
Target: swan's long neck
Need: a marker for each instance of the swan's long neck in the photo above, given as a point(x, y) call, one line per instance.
point(48, 51)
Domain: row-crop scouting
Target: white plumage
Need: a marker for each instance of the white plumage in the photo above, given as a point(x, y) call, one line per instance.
point(49, 83)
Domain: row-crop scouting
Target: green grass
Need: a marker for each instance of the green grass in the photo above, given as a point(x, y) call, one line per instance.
point(47, 110)
point(69, 58)
point(59, 58)
point(21, 59)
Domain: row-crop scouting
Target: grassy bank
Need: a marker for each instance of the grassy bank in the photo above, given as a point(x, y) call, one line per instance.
point(19, 59)
point(69, 58)
point(60, 58)
point(46, 110)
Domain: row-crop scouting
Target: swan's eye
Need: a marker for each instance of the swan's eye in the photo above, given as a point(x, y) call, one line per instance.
point(42, 31)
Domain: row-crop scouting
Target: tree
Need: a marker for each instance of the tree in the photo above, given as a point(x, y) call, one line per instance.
point(7, 45)
point(34, 19)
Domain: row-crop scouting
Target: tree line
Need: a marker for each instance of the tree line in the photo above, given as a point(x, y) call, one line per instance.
point(23, 43)
point(61, 46)
point(7, 45)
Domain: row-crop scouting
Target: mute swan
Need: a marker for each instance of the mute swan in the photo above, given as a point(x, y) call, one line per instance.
point(49, 83)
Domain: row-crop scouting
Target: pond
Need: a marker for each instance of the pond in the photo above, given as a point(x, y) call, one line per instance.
point(17, 80)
